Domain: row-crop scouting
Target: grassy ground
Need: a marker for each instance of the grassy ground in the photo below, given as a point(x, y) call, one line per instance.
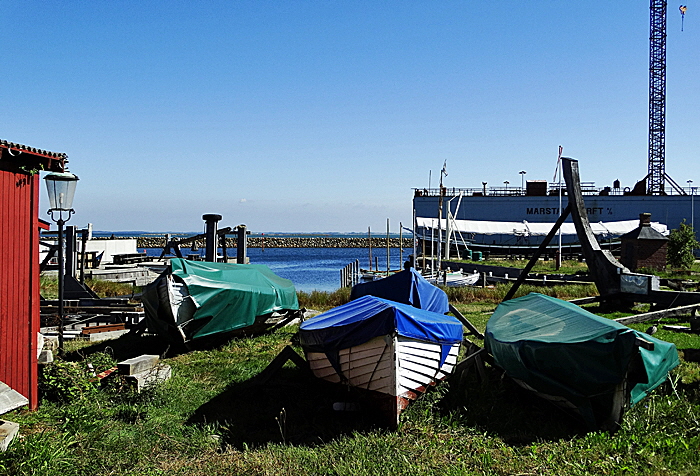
point(214, 417)
point(49, 287)
point(575, 267)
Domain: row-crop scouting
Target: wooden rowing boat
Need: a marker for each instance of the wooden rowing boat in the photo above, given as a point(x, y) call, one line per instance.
point(392, 352)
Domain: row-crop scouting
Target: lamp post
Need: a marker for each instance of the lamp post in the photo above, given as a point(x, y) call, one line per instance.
point(61, 189)
point(522, 180)
point(484, 184)
point(692, 205)
point(506, 182)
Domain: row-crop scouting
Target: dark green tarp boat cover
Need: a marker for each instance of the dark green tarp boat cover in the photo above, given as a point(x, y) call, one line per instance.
point(559, 349)
point(227, 296)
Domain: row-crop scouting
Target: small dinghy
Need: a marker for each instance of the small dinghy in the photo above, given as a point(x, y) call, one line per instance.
point(593, 366)
point(454, 279)
point(392, 351)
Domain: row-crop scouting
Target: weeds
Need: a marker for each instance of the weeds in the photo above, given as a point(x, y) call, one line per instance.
point(49, 287)
point(497, 293)
point(321, 300)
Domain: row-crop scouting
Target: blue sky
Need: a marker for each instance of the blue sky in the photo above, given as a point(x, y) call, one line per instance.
point(323, 115)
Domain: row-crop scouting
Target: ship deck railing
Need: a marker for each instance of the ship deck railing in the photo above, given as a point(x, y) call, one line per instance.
point(553, 189)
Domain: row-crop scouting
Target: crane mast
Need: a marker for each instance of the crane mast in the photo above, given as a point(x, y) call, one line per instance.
point(656, 177)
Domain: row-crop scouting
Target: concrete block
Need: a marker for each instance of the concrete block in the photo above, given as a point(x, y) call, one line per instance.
point(8, 431)
point(45, 357)
point(138, 364)
point(39, 344)
point(10, 399)
point(149, 377)
point(100, 336)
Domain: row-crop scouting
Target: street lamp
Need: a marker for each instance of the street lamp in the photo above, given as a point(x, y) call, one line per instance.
point(506, 182)
point(522, 180)
point(61, 189)
point(484, 184)
point(692, 204)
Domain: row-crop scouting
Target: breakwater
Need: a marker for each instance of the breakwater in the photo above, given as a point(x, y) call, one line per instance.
point(292, 242)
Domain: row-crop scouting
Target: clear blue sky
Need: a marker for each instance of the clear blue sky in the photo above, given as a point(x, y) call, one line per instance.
point(323, 115)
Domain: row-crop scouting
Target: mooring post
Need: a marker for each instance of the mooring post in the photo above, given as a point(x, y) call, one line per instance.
point(211, 220)
point(224, 248)
point(242, 244)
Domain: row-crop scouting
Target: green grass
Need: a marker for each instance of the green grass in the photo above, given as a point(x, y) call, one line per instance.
point(575, 267)
point(542, 266)
point(213, 418)
point(321, 300)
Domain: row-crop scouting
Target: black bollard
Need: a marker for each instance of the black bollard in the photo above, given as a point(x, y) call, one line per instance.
point(211, 220)
point(242, 244)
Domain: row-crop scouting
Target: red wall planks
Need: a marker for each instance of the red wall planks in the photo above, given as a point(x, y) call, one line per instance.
point(19, 282)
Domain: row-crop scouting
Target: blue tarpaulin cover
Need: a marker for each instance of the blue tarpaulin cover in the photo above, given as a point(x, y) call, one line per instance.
point(406, 287)
point(559, 349)
point(367, 317)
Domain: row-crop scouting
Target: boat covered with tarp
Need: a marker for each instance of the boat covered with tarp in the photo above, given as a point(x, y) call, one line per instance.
point(589, 364)
point(405, 287)
point(200, 299)
point(390, 350)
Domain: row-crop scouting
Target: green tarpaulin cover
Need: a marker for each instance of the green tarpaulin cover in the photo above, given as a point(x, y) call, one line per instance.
point(227, 296)
point(559, 349)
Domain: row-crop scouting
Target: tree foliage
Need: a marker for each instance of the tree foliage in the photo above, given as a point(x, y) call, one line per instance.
point(681, 244)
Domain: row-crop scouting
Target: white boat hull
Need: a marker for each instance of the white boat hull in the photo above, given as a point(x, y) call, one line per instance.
point(454, 280)
point(397, 368)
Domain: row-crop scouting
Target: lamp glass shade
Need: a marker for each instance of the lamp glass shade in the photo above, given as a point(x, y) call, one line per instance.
point(61, 189)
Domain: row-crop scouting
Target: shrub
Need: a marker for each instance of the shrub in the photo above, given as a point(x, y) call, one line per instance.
point(64, 382)
point(681, 245)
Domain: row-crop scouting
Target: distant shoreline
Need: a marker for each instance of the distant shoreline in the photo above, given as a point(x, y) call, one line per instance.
point(286, 242)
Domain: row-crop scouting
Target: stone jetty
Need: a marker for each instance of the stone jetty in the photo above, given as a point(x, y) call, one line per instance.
point(293, 242)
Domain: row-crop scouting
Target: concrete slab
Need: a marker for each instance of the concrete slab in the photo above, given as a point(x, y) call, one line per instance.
point(8, 431)
point(138, 364)
point(100, 336)
point(149, 377)
point(10, 399)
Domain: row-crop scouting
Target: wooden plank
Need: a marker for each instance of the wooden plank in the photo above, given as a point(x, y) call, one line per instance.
point(685, 329)
point(431, 363)
point(586, 300)
point(414, 381)
point(90, 309)
point(103, 328)
point(656, 315)
point(409, 353)
point(383, 385)
point(409, 366)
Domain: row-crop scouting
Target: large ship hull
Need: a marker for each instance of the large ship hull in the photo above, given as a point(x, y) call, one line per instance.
point(670, 210)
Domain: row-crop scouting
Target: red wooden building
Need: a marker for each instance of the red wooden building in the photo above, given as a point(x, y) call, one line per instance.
point(19, 262)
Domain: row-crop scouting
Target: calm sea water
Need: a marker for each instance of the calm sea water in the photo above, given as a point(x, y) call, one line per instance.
point(311, 268)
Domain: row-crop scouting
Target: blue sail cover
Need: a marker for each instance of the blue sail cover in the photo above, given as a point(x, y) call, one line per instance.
point(363, 319)
point(406, 287)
